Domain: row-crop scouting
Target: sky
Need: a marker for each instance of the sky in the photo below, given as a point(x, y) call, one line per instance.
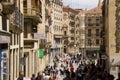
point(84, 4)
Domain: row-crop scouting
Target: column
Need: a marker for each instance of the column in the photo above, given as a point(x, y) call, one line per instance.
point(27, 65)
point(14, 64)
point(11, 65)
point(1, 22)
point(8, 25)
point(33, 61)
point(30, 64)
point(17, 62)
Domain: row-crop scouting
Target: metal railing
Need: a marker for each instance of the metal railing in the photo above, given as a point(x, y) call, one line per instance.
point(92, 35)
point(17, 18)
point(31, 11)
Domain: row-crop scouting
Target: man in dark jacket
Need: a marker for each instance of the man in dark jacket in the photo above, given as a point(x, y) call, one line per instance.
point(67, 76)
point(39, 76)
point(21, 75)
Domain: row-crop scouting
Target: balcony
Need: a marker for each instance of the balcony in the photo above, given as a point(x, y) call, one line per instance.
point(72, 35)
point(16, 19)
point(46, 28)
point(33, 13)
point(90, 24)
point(65, 36)
point(72, 23)
point(72, 16)
point(8, 7)
point(47, 13)
point(72, 29)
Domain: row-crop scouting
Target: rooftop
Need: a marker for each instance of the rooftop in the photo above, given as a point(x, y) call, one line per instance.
point(95, 10)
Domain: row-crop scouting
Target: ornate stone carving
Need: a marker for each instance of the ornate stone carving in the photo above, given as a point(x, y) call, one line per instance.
point(117, 32)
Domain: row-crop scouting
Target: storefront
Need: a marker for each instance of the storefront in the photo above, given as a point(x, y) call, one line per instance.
point(92, 54)
point(4, 54)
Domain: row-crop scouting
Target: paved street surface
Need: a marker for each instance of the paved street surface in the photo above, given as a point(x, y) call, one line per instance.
point(59, 63)
point(76, 69)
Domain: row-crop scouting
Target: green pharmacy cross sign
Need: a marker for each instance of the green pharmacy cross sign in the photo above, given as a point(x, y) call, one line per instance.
point(41, 53)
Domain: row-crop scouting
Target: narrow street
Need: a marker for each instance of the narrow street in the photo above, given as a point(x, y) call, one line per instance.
point(78, 69)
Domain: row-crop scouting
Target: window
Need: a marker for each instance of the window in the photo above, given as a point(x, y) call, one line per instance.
point(97, 32)
point(89, 32)
point(4, 22)
point(97, 22)
point(25, 30)
point(72, 38)
point(57, 40)
point(90, 22)
point(72, 31)
point(25, 3)
point(65, 33)
point(89, 42)
point(97, 41)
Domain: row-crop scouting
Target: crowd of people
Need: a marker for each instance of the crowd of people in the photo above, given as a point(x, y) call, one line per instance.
point(71, 67)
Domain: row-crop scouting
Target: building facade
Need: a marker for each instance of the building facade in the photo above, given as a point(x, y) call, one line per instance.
point(34, 36)
point(71, 28)
point(16, 39)
point(111, 26)
point(82, 32)
point(93, 26)
point(56, 26)
point(11, 38)
point(4, 42)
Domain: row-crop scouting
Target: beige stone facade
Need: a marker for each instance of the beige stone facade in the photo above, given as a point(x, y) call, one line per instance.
point(71, 30)
point(34, 36)
point(93, 26)
point(82, 32)
point(4, 42)
point(11, 38)
point(56, 26)
point(111, 24)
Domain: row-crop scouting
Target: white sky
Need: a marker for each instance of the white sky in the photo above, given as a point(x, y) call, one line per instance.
point(88, 4)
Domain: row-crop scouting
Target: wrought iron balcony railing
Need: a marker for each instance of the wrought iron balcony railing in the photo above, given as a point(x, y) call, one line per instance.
point(72, 23)
point(8, 6)
point(33, 13)
point(17, 18)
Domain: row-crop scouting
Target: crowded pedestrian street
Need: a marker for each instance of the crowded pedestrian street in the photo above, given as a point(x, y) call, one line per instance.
point(72, 67)
point(59, 39)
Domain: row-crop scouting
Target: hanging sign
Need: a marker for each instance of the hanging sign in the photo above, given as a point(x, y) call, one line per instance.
point(41, 53)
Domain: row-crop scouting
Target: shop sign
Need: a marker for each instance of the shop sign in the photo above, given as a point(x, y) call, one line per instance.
point(104, 57)
point(39, 36)
point(4, 39)
point(41, 53)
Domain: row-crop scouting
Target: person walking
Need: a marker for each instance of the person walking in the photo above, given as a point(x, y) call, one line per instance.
point(39, 76)
point(33, 77)
point(67, 76)
point(21, 75)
